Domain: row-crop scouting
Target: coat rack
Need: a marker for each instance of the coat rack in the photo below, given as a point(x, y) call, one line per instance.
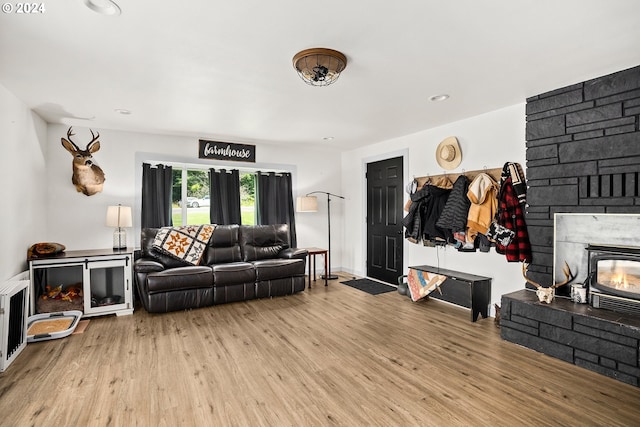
point(495, 173)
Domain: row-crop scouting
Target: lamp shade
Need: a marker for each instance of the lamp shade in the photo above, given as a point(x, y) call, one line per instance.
point(307, 204)
point(119, 216)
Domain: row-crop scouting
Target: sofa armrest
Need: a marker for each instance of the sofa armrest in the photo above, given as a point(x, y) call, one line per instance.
point(293, 253)
point(147, 265)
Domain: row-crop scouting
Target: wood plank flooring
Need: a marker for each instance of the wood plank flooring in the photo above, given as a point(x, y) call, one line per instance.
point(329, 356)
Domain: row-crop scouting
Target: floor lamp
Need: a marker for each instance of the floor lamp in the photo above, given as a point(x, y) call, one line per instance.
point(309, 203)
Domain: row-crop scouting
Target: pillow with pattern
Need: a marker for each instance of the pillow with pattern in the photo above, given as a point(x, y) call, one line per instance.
point(186, 243)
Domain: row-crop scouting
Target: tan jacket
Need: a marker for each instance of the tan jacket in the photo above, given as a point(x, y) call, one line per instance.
point(483, 194)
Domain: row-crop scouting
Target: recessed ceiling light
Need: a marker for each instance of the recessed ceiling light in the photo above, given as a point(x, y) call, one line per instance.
point(437, 98)
point(103, 7)
point(327, 138)
point(122, 111)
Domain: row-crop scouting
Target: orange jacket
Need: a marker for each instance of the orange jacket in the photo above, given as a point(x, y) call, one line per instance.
point(483, 194)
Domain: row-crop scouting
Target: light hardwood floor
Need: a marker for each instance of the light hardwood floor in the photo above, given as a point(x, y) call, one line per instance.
point(329, 356)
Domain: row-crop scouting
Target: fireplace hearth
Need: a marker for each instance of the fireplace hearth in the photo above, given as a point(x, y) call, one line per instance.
point(603, 341)
point(614, 278)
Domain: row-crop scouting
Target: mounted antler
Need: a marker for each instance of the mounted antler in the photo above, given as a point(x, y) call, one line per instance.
point(95, 137)
point(547, 294)
point(69, 135)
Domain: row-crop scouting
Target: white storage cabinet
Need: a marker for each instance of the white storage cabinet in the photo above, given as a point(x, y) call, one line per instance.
point(105, 277)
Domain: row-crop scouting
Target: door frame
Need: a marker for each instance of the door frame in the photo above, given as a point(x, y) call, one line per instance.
point(404, 153)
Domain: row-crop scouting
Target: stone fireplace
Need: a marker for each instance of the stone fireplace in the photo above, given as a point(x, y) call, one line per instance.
point(603, 336)
point(583, 157)
point(598, 248)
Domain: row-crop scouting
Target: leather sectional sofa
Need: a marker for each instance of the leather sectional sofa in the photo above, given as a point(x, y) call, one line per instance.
point(239, 263)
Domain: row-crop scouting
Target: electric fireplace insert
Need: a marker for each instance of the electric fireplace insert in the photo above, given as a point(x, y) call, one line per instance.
point(614, 278)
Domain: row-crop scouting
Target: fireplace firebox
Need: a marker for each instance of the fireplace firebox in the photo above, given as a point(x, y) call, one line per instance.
point(614, 278)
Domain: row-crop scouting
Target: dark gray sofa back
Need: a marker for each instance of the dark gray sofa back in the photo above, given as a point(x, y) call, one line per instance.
point(224, 246)
point(263, 241)
point(229, 243)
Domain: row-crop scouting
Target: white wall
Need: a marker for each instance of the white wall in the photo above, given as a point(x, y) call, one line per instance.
point(488, 140)
point(41, 203)
point(23, 183)
point(77, 220)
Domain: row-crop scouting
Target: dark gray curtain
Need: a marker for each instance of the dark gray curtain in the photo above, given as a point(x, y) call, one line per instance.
point(275, 201)
point(156, 196)
point(224, 191)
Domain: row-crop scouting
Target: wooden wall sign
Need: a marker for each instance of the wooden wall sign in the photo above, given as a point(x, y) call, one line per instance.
point(227, 151)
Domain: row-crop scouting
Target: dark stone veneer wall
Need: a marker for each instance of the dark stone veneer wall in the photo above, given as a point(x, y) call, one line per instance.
point(583, 155)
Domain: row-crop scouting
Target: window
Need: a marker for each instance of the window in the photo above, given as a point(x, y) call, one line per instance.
point(192, 185)
point(248, 198)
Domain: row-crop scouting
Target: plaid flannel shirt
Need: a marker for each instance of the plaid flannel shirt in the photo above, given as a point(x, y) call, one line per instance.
point(511, 216)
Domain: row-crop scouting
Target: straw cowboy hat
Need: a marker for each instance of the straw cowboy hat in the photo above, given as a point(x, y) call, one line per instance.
point(448, 154)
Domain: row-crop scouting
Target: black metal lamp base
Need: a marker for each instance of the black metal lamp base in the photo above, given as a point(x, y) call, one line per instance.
point(329, 277)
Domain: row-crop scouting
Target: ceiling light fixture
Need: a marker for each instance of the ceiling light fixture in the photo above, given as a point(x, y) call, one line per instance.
point(437, 98)
point(319, 66)
point(103, 7)
point(122, 111)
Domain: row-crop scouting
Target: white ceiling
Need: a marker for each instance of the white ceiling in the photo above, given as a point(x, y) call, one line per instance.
point(222, 69)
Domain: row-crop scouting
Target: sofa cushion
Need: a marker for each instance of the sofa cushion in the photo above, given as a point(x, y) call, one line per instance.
point(269, 269)
point(224, 246)
point(186, 243)
point(263, 241)
point(233, 273)
point(179, 278)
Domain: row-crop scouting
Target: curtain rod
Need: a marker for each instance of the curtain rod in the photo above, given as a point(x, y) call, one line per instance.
point(205, 168)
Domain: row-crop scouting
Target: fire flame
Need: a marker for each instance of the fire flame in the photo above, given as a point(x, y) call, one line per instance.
point(619, 280)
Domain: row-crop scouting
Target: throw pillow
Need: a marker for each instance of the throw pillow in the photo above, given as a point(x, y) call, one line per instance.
point(186, 243)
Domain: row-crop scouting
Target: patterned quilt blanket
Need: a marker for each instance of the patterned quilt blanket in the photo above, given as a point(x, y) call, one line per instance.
point(186, 243)
point(422, 283)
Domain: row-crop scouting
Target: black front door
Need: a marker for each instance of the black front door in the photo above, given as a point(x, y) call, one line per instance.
point(384, 220)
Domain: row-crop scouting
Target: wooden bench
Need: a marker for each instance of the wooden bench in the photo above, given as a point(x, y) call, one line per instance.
point(463, 289)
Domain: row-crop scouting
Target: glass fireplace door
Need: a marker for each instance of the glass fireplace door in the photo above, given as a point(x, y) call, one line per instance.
point(618, 276)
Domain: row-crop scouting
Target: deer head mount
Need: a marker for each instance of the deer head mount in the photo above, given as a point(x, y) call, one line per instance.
point(547, 294)
point(87, 176)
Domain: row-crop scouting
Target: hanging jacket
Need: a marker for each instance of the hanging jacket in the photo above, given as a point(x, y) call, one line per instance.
point(433, 209)
point(415, 217)
point(483, 195)
point(511, 216)
point(456, 210)
point(514, 171)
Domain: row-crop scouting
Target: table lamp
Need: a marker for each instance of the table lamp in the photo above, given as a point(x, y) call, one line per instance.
point(119, 217)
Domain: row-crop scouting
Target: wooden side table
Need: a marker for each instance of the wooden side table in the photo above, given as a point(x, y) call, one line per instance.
point(312, 252)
